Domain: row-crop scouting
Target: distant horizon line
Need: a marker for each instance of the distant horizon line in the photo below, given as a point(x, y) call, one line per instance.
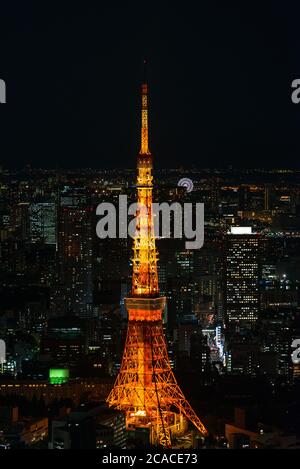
point(130, 168)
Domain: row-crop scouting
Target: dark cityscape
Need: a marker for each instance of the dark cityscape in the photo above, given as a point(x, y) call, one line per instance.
point(119, 342)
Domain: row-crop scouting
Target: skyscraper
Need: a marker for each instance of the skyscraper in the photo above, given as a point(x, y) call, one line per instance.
point(241, 277)
point(43, 222)
point(75, 255)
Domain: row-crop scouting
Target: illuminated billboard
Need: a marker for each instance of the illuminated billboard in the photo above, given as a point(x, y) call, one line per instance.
point(241, 230)
point(58, 375)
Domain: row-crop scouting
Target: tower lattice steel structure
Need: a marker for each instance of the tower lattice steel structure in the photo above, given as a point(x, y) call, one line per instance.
point(146, 388)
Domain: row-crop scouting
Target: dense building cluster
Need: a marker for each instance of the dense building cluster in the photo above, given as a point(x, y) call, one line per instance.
point(232, 306)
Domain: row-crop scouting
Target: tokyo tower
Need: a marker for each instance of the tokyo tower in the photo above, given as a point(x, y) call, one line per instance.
point(146, 388)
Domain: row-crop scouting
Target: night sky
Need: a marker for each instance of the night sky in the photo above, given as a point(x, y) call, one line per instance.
point(219, 77)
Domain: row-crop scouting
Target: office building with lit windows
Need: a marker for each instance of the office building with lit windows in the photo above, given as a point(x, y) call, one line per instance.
point(43, 222)
point(241, 277)
point(75, 284)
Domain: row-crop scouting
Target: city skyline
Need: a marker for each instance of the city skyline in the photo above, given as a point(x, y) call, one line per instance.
point(213, 349)
point(149, 229)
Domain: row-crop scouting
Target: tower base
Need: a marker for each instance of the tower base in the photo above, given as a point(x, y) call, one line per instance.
point(146, 388)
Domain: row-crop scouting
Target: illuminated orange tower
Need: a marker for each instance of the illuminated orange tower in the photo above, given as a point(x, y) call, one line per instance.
point(146, 388)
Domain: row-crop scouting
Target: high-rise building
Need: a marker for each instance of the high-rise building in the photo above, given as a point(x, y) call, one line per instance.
point(241, 277)
point(43, 222)
point(75, 283)
point(187, 327)
point(20, 220)
point(214, 193)
point(267, 197)
point(244, 197)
